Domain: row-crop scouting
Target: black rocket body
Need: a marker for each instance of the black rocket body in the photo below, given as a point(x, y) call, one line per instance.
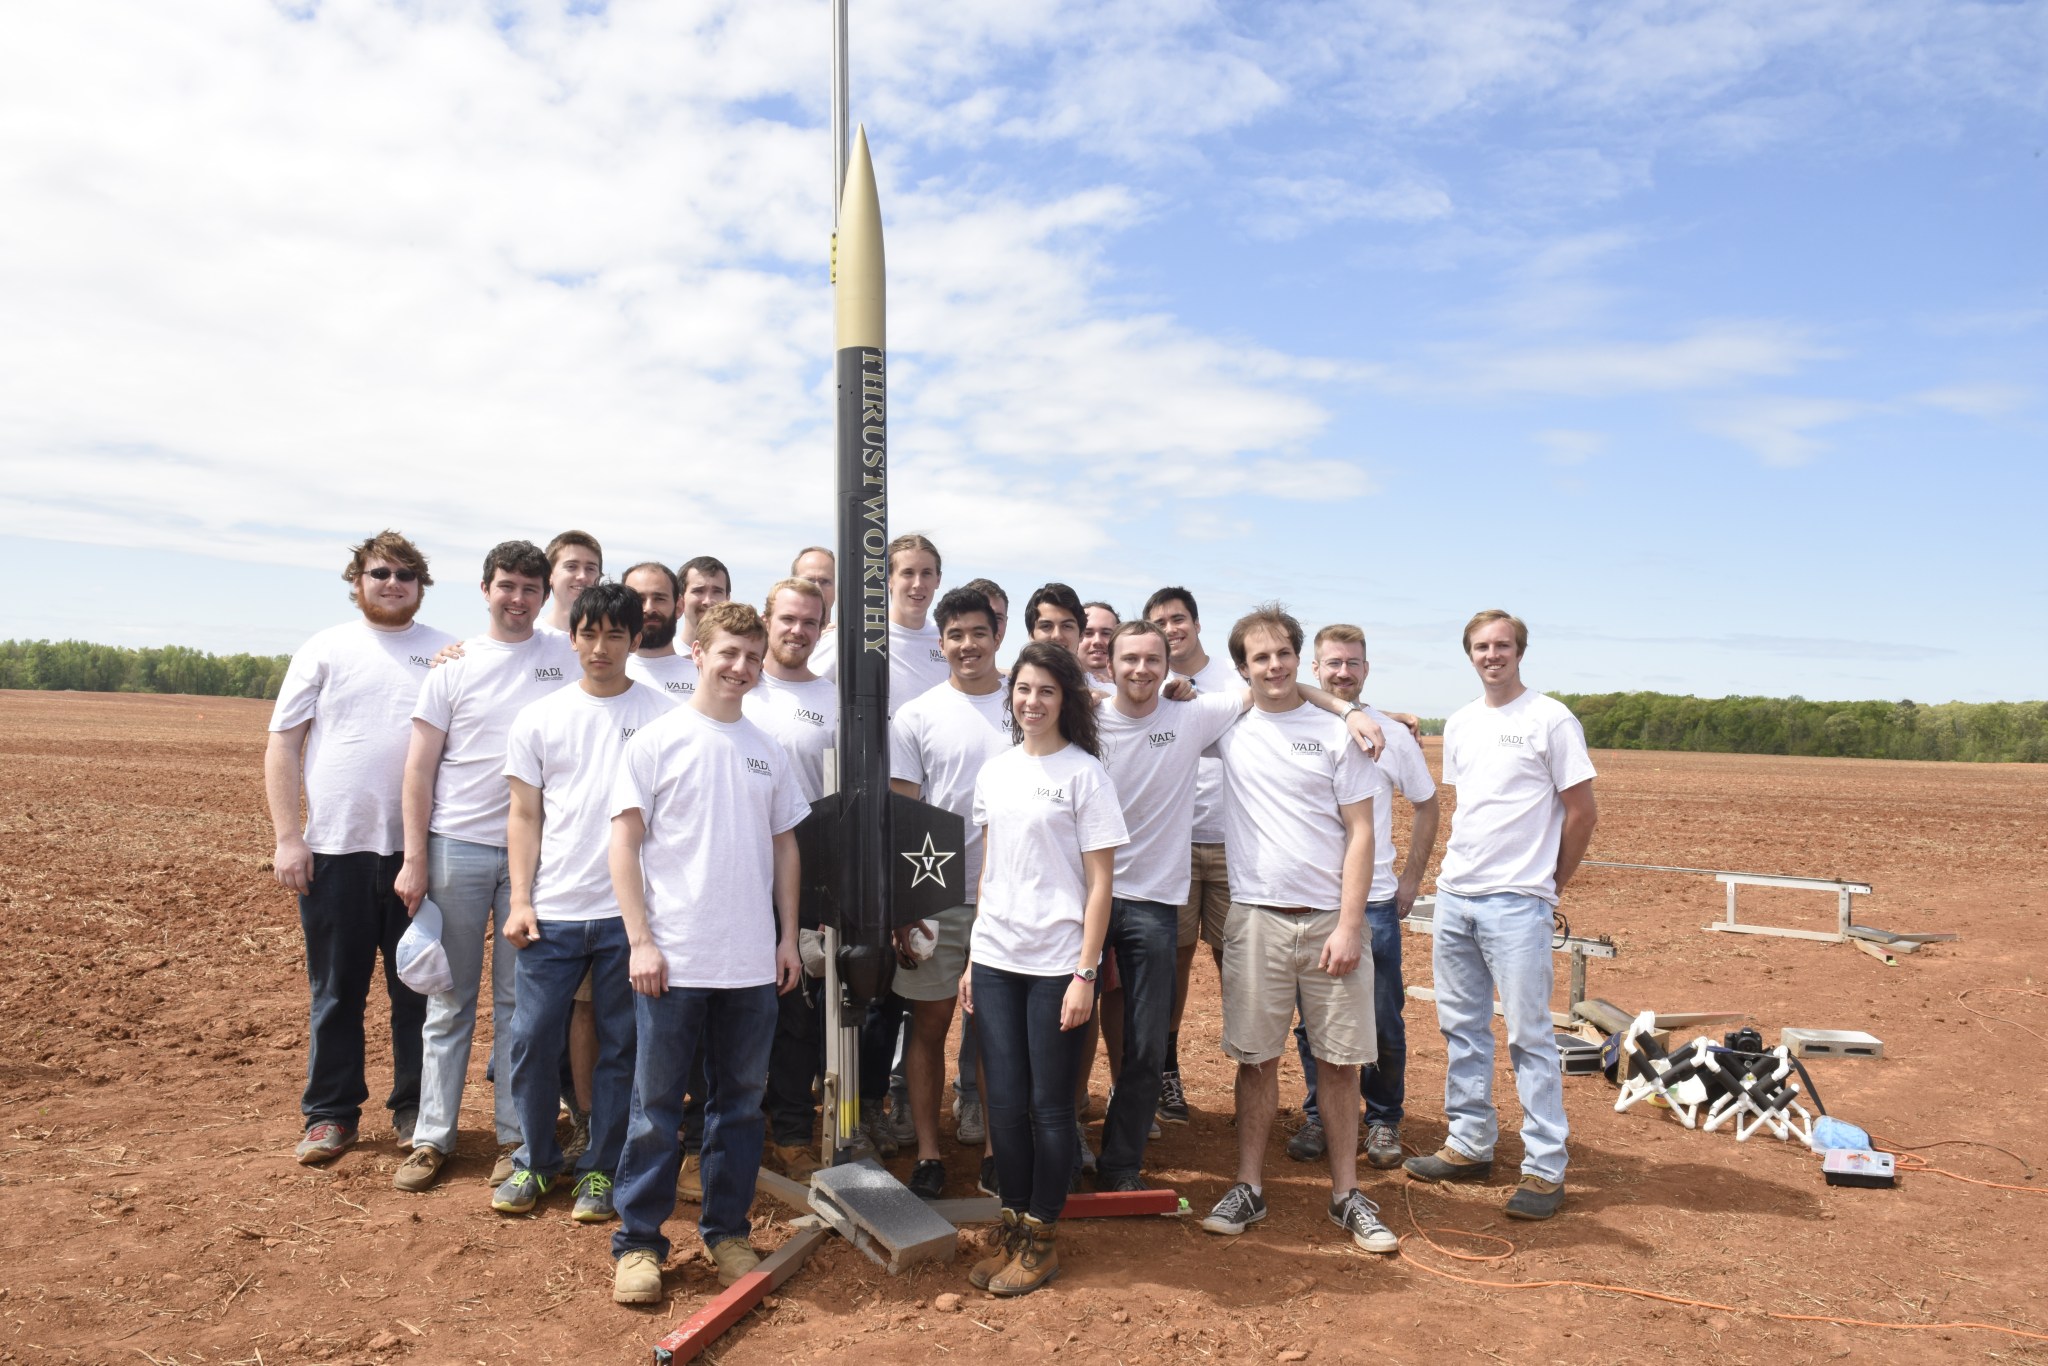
point(867, 864)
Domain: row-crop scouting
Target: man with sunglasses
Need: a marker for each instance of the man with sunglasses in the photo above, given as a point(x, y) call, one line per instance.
point(339, 732)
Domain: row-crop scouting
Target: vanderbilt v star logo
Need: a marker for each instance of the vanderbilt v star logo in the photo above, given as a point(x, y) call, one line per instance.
point(930, 864)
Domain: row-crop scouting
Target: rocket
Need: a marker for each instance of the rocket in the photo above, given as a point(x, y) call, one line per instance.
point(872, 859)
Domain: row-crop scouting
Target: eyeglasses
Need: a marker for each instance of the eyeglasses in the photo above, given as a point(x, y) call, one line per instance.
point(380, 573)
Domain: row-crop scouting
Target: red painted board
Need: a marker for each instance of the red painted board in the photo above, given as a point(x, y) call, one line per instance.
point(704, 1327)
point(1112, 1204)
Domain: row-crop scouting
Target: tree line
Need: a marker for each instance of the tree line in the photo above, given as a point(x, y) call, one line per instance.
point(1983, 732)
point(80, 666)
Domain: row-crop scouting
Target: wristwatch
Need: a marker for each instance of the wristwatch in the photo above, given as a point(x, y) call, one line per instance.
point(1353, 710)
point(1085, 974)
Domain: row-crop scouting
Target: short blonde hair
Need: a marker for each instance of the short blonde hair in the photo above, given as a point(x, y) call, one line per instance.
point(801, 587)
point(1344, 633)
point(1487, 618)
point(733, 618)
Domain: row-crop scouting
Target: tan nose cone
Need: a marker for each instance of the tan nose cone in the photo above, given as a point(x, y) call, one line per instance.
point(858, 298)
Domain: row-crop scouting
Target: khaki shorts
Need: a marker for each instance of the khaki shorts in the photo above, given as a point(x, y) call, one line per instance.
point(937, 978)
point(1269, 960)
point(1208, 903)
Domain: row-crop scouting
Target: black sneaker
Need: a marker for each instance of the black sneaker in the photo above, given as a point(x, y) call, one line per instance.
point(1308, 1143)
point(1360, 1218)
point(1126, 1181)
point(1238, 1210)
point(928, 1179)
point(1173, 1101)
point(986, 1183)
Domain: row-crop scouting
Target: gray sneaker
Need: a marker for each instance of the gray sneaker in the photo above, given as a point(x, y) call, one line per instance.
point(1360, 1218)
point(1383, 1145)
point(594, 1199)
point(900, 1126)
point(972, 1125)
point(520, 1192)
point(875, 1125)
point(1307, 1144)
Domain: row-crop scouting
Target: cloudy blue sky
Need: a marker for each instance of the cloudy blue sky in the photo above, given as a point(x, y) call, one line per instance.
point(1709, 336)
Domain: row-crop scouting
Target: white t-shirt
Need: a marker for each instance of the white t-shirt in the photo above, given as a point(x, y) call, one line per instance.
point(1508, 764)
point(675, 675)
point(940, 741)
point(1153, 761)
point(473, 700)
point(568, 745)
point(714, 795)
point(543, 628)
point(1041, 815)
point(1218, 675)
point(916, 664)
point(1284, 776)
point(1400, 768)
point(357, 685)
point(803, 718)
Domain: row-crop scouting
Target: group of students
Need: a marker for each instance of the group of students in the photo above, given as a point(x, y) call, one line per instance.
point(614, 818)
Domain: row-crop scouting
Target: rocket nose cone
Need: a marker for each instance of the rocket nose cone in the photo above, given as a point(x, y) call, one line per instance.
point(860, 295)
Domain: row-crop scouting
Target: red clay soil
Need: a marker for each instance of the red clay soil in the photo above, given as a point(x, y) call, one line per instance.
point(152, 1035)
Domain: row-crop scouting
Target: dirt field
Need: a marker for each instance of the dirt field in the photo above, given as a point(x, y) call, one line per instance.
point(152, 1032)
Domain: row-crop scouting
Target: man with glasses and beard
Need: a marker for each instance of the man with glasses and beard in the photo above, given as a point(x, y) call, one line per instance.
point(340, 730)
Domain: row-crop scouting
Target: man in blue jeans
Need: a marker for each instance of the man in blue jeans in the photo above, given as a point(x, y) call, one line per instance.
point(456, 803)
point(1340, 666)
point(340, 732)
point(704, 865)
point(560, 761)
point(1524, 816)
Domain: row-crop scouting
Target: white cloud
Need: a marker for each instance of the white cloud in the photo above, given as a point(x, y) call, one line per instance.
point(1977, 400)
point(1289, 206)
point(1781, 430)
point(271, 281)
point(1571, 447)
point(1715, 356)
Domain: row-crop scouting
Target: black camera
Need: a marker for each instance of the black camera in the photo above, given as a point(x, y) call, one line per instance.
point(1744, 1040)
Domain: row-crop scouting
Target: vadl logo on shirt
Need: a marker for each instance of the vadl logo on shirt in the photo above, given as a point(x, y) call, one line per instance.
point(815, 718)
point(626, 732)
point(1514, 741)
point(760, 766)
point(420, 661)
point(1307, 746)
point(1052, 794)
point(1160, 738)
point(547, 675)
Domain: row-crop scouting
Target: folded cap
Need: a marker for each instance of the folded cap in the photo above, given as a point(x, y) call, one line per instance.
point(422, 962)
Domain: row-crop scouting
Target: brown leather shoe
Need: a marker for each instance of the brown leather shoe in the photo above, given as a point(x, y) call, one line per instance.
point(1037, 1262)
point(793, 1160)
point(1005, 1240)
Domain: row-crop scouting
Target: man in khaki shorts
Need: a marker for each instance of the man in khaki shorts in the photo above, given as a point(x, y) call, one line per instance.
point(1298, 821)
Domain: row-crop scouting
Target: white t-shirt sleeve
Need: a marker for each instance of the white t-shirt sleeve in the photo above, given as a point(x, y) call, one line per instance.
point(524, 747)
point(1215, 712)
point(1406, 768)
point(1570, 764)
point(1352, 775)
point(633, 788)
point(906, 748)
point(1098, 813)
point(787, 806)
point(298, 698)
point(436, 706)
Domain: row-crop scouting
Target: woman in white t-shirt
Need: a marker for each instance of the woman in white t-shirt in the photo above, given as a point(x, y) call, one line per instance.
point(1051, 823)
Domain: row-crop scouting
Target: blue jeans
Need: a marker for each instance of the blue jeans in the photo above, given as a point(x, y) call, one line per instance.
point(1384, 1084)
point(1028, 1066)
point(549, 971)
point(1143, 935)
point(735, 1027)
point(1484, 943)
point(350, 914)
point(967, 1084)
point(473, 887)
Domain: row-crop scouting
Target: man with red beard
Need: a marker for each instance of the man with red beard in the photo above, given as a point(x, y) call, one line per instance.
point(340, 731)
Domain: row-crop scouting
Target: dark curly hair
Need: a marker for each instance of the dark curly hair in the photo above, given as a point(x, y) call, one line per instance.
point(1077, 701)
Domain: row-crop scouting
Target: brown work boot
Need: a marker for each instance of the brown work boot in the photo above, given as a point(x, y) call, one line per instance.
point(1005, 1240)
point(793, 1160)
point(690, 1184)
point(1037, 1262)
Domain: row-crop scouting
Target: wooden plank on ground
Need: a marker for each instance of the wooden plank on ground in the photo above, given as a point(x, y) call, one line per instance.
point(704, 1327)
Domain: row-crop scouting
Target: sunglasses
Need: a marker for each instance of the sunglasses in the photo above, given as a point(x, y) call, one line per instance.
point(380, 573)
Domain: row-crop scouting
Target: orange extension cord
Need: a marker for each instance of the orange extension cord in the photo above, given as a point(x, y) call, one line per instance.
point(1907, 1160)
